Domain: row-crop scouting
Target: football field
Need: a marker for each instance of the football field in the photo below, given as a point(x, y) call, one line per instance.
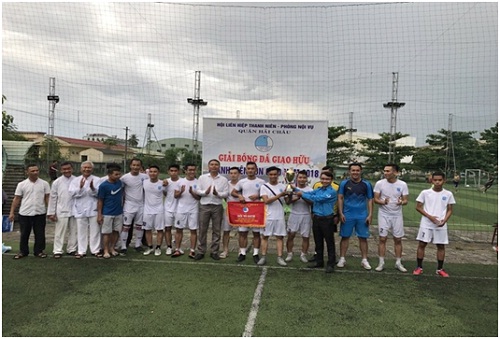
point(138, 296)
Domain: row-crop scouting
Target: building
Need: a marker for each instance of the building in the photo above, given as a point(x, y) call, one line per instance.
point(166, 144)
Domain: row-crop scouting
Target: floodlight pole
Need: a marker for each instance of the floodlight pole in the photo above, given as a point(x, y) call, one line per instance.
point(393, 105)
point(53, 100)
point(196, 102)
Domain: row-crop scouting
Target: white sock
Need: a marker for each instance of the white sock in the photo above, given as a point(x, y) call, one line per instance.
point(138, 237)
point(243, 251)
point(398, 261)
point(302, 253)
point(381, 260)
point(124, 237)
point(255, 251)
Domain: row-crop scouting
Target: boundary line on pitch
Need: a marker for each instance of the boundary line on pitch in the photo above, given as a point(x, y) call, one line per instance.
point(218, 264)
point(254, 309)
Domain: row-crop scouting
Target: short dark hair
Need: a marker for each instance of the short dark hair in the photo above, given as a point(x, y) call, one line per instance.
point(174, 166)
point(273, 168)
point(113, 167)
point(134, 159)
point(189, 165)
point(154, 166)
point(30, 165)
point(439, 174)
point(355, 164)
point(328, 174)
point(235, 168)
point(66, 163)
point(304, 172)
point(251, 163)
point(394, 167)
point(327, 168)
point(217, 161)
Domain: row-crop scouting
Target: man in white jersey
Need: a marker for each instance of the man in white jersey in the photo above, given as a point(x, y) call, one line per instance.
point(273, 194)
point(84, 191)
point(154, 190)
point(187, 210)
point(60, 211)
point(170, 204)
point(391, 194)
point(234, 177)
point(436, 206)
point(133, 205)
point(299, 219)
point(248, 189)
point(213, 188)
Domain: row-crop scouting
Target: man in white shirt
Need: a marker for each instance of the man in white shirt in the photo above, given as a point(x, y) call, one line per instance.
point(32, 195)
point(187, 210)
point(60, 211)
point(248, 189)
point(170, 205)
point(234, 177)
point(299, 219)
point(133, 205)
point(391, 194)
point(84, 191)
point(212, 188)
point(273, 194)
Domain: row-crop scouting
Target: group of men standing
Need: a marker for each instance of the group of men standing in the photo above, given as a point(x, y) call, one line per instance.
point(98, 213)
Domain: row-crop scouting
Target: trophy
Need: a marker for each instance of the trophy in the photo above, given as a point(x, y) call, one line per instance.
point(289, 178)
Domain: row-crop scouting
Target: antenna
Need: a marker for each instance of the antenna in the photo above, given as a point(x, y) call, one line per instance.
point(393, 105)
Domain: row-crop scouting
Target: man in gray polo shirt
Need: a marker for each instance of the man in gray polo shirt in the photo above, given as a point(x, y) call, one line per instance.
point(32, 194)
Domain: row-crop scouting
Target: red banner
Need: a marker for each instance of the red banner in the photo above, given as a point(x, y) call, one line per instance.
point(250, 214)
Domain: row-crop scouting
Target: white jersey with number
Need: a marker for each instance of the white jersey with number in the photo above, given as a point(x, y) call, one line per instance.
point(435, 204)
point(275, 209)
point(186, 203)
point(170, 203)
point(394, 191)
point(153, 197)
point(134, 193)
point(249, 187)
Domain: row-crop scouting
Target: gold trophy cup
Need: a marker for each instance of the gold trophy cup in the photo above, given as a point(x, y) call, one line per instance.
point(289, 178)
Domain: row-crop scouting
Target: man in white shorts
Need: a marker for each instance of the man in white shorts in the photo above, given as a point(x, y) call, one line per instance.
point(170, 204)
point(391, 194)
point(299, 219)
point(154, 190)
point(436, 206)
point(234, 177)
point(248, 189)
point(273, 194)
point(187, 210)
point(133, 205)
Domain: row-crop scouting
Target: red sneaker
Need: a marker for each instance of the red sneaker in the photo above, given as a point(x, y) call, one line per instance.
point(442, 273)
point(418, 271)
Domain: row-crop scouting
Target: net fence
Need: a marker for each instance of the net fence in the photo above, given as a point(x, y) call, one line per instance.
point(121, 66)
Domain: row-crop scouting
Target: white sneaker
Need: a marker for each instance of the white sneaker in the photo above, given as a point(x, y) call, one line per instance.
point(366, 264)
point(281, 262)
point(401, 268)
point(148, 251)
point(303, 258)
point(168, 251)
point(181, 251)
point(262, 261)
point(157, 251)
point(341, 263)
point(379, 268)
point(223, 255)
point(289, 257)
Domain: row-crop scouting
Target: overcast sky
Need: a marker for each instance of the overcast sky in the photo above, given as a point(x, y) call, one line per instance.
point(115, 63)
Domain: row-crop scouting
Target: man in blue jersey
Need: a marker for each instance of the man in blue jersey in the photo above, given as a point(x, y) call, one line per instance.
point(110, 209)
point(323, 200)
point(355, 202)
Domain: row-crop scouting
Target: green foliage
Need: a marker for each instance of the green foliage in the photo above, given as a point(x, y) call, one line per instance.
point(489, 146)
point(338, 152)
point(133, 141)
point(377, 150)
point(50, 149)
point(8, 127)
point(110, 142)
point(182, 156)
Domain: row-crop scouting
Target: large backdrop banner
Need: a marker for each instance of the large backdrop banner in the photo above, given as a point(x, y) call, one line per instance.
point(297, 144)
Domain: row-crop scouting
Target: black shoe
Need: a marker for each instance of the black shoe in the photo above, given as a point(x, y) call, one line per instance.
point(256, 258)
point(317, 265)
point(123, 252)
point(71, 253)
point(139, 249)
point(329, 269)
point(241, 257)
point(214, 256)
point(199, 256)
point(313, 259)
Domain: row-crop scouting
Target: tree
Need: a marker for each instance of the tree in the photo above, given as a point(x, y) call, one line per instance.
point(181, 156)
point(338, 152)
point(489, 146)
point(377, 150)
point(133, 140)
point(110, 142)
point(8, 128)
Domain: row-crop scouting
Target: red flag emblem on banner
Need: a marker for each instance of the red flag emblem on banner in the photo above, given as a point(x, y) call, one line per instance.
point(250, 214)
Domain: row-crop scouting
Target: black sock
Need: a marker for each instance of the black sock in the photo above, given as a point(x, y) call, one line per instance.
point(440, 264)
point(157, 246)
point(419, 262)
